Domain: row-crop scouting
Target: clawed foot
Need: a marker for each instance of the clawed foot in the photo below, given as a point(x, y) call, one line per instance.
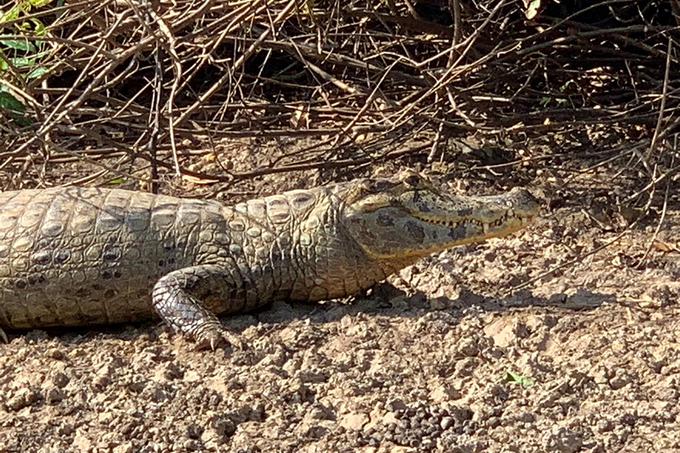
point(216, 338)
point(3, 336)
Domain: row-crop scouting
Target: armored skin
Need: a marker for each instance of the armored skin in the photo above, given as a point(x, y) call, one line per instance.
point(83, 256)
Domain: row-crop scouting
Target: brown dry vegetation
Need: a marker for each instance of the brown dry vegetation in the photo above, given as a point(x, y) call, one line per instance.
point(564, 338)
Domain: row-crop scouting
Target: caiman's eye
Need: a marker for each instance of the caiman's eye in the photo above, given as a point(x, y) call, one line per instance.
point(377, 185)
point(412, 180)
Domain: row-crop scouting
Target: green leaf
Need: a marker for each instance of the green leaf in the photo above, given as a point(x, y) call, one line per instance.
point(23, 45)
point(23, 121)
point(515, 378)
point(38, 27)
point(37, 73)
point(21, 62)
point(9, 102)
point(118, 181)
point(39, 3)
point(12, 14)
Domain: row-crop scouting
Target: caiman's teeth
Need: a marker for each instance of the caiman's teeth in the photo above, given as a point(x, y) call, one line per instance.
point(486, 226)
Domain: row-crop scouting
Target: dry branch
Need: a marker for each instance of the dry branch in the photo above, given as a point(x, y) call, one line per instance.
point(139, 77)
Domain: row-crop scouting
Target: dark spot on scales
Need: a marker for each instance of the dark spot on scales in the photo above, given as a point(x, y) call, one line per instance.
point(385, 220)
point(464, 212)
point(111, 255)
point(415, 230)
point(109, 274)
point(62, 256)
point(458, 232)
point(36, 279)
point(422, 204)
point(302, 198)
point(42, 257)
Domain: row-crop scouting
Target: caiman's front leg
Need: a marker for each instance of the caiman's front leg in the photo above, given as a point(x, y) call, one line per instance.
point(179, 298)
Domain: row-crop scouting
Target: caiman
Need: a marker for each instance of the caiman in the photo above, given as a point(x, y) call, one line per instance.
point(83, 256)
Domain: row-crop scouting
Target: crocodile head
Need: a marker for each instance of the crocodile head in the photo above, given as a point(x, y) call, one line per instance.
point(405, 218)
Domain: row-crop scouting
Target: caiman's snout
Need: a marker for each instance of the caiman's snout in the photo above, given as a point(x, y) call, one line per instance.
point(417, 220)
point(515, 206)
point(495, 215)
point(524, 203)
point(518, 202)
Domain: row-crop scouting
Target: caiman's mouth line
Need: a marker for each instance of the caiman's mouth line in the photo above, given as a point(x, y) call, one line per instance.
point(480, 223)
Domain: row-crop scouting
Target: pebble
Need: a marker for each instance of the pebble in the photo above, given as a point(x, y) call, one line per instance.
point(54, 395)
point(354, 421)
point(24, 397)
point(562, 440)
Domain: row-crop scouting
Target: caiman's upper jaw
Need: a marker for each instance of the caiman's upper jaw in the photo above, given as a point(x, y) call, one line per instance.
point(489, 216)
point(481, 217)
point(506, 223)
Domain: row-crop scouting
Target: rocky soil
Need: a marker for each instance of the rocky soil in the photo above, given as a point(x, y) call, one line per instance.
point(448, 358)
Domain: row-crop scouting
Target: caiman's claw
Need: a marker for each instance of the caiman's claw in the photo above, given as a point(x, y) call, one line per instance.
point(3, 336)
point(215, 338)
point(210, 339)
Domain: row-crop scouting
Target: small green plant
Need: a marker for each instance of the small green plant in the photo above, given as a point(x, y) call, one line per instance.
point(515, 378)
point(20, 58)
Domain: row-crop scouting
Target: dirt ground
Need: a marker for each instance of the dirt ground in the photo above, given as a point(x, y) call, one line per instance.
point(445, 359)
